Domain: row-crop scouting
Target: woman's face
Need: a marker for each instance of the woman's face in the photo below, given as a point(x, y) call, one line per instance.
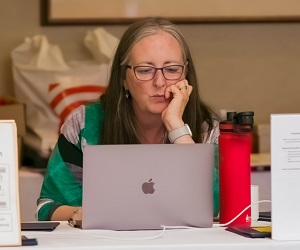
point(158, 50)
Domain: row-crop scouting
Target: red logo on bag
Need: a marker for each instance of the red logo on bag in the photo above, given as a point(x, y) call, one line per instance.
point(63, 100)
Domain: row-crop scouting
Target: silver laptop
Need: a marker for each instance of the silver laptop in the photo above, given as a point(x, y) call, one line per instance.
point(138, 187)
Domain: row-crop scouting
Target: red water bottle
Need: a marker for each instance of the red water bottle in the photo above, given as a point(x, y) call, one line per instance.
point(234, 168)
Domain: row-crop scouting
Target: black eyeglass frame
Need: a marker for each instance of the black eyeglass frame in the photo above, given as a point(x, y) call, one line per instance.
point(156, 69)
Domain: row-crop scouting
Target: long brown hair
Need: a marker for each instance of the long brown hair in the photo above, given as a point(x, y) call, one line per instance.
point(119, 125)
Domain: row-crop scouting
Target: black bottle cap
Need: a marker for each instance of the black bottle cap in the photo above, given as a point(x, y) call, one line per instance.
point(245, 118)
point(230, 115)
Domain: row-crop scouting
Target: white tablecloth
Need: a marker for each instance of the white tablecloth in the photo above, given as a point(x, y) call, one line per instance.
point(65, 237)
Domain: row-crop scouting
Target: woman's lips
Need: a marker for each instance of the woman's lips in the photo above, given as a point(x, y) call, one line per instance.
point(158, 98)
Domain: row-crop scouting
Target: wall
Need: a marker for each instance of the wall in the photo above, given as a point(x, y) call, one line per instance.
point(240, 66)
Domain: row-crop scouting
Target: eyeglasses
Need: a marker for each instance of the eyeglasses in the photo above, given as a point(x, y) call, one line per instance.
point(146, 73)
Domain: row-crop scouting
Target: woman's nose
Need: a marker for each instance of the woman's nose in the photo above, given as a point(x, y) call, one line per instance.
point(159, 80)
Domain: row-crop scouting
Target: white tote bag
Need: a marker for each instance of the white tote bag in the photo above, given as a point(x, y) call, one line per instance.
point(52, 88)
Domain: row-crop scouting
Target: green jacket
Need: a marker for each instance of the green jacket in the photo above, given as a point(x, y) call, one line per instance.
point(63, 179)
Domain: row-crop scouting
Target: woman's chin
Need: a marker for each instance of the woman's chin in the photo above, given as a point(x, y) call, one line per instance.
point(158, 109)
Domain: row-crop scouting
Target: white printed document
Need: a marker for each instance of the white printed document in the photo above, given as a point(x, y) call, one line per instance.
point(10, 224)
point(285, 176)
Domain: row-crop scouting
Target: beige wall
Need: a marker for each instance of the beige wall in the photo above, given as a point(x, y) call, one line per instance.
point(240, 66)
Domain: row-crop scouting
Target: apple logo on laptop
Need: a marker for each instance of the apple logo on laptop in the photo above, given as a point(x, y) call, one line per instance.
point(147, 187)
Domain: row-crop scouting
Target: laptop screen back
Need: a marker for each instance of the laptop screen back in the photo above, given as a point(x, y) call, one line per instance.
point(135, 187)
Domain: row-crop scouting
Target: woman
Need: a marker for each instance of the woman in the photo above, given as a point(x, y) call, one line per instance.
point(152, 97)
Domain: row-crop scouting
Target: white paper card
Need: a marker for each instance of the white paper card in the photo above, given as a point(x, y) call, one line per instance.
point(10, 225)
point(285, 176)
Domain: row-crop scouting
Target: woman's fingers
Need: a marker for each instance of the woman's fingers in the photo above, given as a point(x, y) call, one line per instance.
point(179, 93)
point(178, 89)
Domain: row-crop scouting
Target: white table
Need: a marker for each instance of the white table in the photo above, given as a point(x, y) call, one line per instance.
point(64, 237)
